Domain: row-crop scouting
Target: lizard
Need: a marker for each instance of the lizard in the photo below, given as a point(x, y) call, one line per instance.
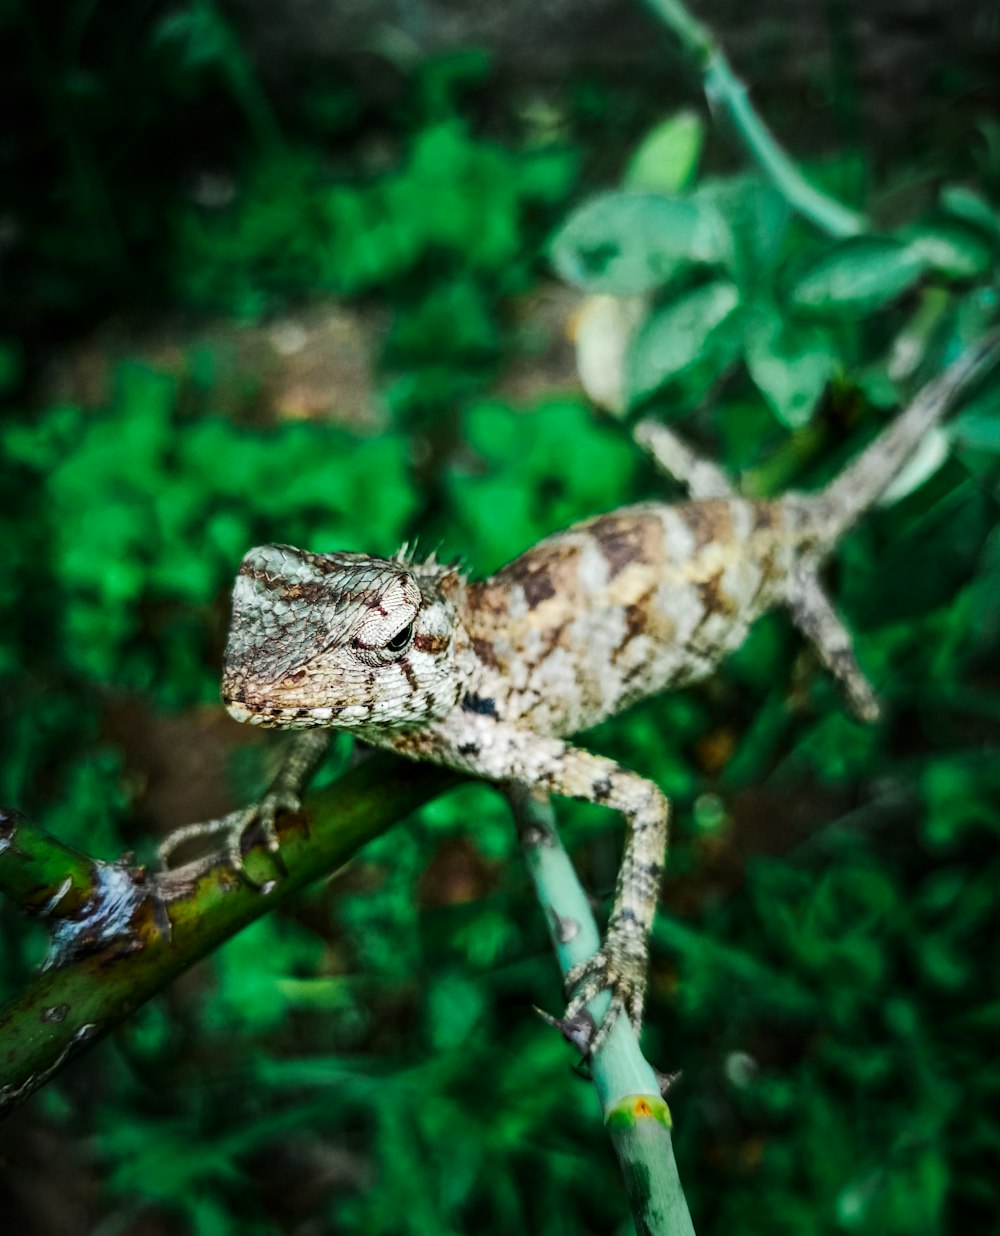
point(493, 677)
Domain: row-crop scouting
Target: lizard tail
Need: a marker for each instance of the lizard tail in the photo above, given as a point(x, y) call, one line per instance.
point(862, 482)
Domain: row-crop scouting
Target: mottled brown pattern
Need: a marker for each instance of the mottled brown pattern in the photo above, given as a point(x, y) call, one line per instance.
point(538, 587)
point(487, 606)
point(411, 678)
point(714, 597)
point(711, 522)
point(550, 638)
point(766, 516)
point(309, 592)
point(624, 539)
point(430, 643)
point(659, 627)
point(638, 621)
point(543, 572)
point(486, 653)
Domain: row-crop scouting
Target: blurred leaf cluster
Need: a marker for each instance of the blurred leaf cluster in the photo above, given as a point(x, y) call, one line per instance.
point(825, 968)
point(728, 273)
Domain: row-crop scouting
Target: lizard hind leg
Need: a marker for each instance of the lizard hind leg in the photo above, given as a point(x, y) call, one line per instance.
point(674, 458)
point(621, 963)
point(814, 615)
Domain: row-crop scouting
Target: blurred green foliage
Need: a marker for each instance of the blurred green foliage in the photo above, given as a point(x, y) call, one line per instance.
point(729, 273)
point(825, 970)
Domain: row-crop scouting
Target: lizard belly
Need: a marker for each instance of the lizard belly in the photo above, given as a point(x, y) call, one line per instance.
point(622, 606)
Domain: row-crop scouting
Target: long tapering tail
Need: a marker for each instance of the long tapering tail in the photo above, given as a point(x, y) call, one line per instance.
point(862, 482)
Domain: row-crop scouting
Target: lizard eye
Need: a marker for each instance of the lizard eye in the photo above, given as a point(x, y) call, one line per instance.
point(401, 641)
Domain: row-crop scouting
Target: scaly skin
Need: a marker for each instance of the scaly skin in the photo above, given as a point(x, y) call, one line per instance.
point(492, 677)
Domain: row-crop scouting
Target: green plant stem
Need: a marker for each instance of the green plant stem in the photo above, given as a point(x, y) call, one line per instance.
point(242, 80)
point(120, 934)
point(635, 1114)
point(727, 94)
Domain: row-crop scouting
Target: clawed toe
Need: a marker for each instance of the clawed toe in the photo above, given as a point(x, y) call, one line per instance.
point(578, 1031)
point(233, 828)
point(224, 826)
point(617, 971)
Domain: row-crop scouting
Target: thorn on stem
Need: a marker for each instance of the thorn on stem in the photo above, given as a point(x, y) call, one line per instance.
point(565, 929)
point(577, 1031)
point(666, 1081)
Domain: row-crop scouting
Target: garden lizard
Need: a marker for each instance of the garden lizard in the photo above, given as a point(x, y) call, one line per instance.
point(491, 677)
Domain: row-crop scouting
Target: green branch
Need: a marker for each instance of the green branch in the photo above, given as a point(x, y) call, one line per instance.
point(121, 934)
point(40, 873)
point(727, 94)
point(635, 1114)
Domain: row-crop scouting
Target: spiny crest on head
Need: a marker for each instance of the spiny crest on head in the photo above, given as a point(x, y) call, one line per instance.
point(409, 555)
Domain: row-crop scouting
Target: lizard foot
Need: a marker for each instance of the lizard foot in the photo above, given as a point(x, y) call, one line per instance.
point(618, 966)
point(233, 828)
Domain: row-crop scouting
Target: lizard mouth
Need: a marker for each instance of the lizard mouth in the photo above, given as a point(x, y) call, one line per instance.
point(293, 705)
point(263, 715)
point(290, 716)
point(287, 718)
point(239, 712)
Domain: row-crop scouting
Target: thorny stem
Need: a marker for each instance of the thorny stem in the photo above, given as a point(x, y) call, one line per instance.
point(120, 934)
point(727, 94)
point(635, 1113)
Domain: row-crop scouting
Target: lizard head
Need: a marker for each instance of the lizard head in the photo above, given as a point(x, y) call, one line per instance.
point(342, 640)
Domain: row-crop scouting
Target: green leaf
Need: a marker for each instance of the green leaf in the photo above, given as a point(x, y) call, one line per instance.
point(973, 209)
point(628, 243)
point(951, 248)
point(960, 794)
point(757, 217)
point(667, 157)
point(977, 426)
point(790, 364)
point(858, 276)
point(679, 334)
point(979, 431)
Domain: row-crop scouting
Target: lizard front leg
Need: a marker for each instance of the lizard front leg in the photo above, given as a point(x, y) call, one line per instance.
point(300, 761)
point(506, 753)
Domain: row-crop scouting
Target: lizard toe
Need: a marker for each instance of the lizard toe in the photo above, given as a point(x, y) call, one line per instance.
point(619, 970)
point(233, 829)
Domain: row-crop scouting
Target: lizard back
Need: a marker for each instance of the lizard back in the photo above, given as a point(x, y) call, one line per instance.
point(625, 604)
